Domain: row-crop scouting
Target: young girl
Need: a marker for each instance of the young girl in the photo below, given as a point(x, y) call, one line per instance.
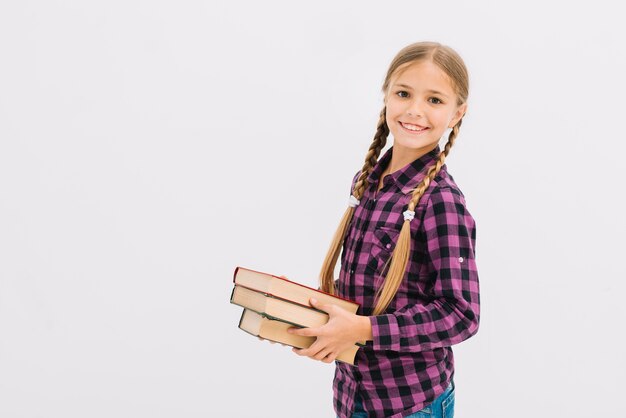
point(408, 252)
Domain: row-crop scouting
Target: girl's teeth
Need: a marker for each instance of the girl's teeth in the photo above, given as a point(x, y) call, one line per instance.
point(413, 128)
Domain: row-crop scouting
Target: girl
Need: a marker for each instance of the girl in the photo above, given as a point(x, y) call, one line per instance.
point(408, 252)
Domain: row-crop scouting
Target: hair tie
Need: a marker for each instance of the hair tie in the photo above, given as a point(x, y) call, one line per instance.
point(353, 201)
point(408, 215)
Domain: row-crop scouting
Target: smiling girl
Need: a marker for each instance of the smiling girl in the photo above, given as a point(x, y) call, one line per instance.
point(408, 252)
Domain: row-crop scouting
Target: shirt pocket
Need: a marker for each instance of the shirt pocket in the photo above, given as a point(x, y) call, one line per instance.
point(383, 243)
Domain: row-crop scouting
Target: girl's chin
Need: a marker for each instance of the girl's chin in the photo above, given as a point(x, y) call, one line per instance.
point(414, 143)
point(408, 145)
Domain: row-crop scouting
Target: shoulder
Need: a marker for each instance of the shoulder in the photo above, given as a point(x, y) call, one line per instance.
point(447, 220)
point(446, 196)
point(355, 179)
point(356, 176)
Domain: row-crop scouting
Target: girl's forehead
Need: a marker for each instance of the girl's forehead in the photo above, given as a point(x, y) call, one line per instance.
point(422, 75)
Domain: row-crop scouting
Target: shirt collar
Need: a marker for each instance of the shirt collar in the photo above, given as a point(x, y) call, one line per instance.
point(409, 176)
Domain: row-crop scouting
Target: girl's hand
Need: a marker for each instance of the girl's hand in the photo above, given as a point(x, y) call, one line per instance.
point(341, 332)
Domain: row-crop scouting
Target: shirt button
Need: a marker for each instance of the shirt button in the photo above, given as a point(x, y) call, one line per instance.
point(351, 271)
point(388, 246)
point(461, 259)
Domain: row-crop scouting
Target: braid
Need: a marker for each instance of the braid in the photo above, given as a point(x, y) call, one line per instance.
point(400, 256)
point(380, 139)
point(432, 171)
point(327, 273)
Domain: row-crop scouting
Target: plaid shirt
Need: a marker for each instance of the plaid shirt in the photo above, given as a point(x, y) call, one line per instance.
point(409, 363)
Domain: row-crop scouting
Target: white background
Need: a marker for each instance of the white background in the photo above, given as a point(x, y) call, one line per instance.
point(147, 148)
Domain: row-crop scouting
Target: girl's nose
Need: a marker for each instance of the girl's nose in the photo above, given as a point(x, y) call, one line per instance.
point(414, 110)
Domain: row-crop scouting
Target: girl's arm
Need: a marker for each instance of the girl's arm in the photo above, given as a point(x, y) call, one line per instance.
point(452, 315)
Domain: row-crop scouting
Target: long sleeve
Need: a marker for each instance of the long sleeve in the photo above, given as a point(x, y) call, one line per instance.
point(451, 314)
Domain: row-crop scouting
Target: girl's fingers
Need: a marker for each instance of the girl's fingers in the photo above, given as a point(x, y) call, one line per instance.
point(329, 358)
point(300, 351)
point(321, 355)
point(305, 332)
point(316, 351)
point(309, 352)
point(321, 306)
point(324, 355)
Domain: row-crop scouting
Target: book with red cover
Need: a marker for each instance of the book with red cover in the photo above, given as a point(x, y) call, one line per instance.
point(289, 290)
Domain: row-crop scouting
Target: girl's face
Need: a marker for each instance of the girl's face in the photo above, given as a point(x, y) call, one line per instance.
point(421, 104)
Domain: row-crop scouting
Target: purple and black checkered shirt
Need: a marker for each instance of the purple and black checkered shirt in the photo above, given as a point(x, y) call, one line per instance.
point(410, 362)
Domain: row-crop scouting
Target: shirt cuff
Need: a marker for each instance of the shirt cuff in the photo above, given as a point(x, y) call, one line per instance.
point(385, 332)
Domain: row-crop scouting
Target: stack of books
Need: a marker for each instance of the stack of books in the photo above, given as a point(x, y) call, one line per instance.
point(273, 304)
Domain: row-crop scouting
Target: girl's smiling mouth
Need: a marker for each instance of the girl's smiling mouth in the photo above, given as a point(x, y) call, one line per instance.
point(409, 127)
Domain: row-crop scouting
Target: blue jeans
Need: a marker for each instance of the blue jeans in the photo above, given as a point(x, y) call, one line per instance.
point(442, 407)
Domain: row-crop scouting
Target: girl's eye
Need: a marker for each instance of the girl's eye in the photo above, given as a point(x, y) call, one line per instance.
point(402, 91)
point(437, 100)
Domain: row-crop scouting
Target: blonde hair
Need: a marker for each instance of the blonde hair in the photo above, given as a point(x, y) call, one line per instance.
point(452, 65)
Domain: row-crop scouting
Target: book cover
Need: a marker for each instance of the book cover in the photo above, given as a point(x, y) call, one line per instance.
point(275, 307)
point(287, 289)
point(276, 330)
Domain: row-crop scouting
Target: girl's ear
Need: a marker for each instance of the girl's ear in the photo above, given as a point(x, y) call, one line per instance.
point(458, 115)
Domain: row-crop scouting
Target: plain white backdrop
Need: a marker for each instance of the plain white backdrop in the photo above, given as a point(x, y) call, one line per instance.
point(147, 148)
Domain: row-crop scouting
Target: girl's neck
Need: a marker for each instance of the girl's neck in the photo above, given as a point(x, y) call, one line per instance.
point(401, 157)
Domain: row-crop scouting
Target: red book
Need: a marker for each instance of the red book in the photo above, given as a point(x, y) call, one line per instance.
point(282, 288)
